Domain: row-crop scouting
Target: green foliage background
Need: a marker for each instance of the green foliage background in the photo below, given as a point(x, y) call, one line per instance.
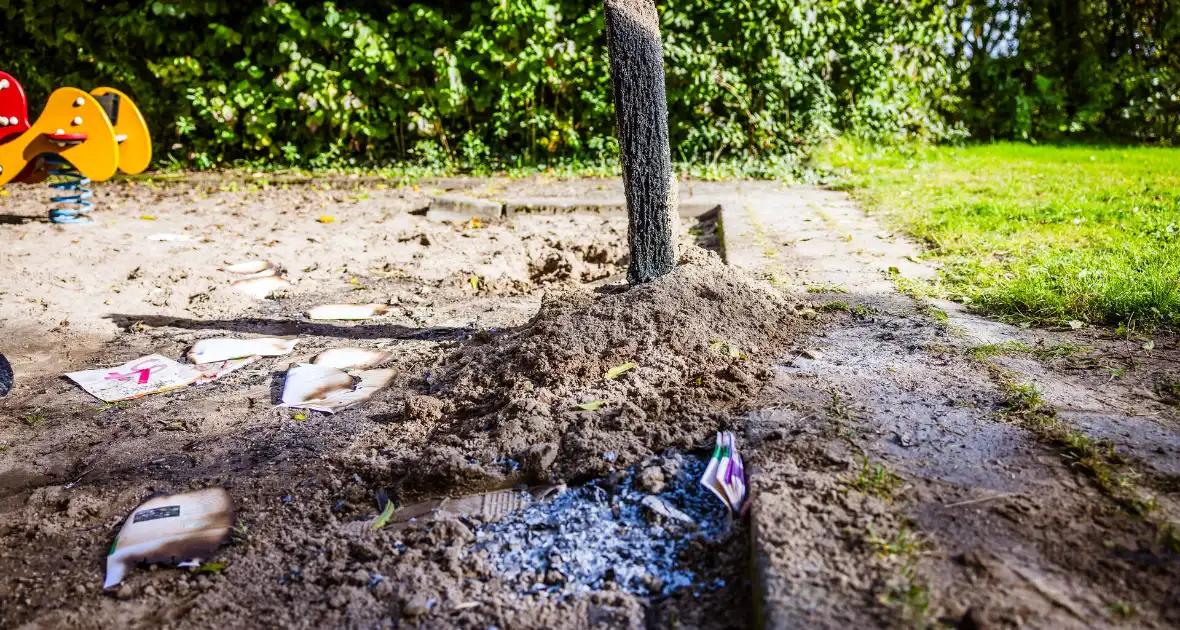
point(525, 82)
point(320, 84)
point(1068, 69)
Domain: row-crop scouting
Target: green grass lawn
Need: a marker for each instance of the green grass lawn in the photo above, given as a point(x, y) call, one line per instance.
point(1035, 233)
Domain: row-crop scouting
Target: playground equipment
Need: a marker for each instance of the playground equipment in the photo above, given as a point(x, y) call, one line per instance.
point(79, 138)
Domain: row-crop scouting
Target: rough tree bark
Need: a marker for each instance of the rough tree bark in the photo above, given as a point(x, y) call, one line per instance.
point(641, 119)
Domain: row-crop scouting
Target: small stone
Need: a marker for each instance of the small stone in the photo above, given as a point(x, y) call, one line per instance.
point(125, 592)
point(416, 607)
point(540, 458)
point(651, 479)
point(974, 619)
point(149, 590)
point(814, 355)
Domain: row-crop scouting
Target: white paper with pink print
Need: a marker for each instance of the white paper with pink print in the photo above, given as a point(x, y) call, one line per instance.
point(143, 376)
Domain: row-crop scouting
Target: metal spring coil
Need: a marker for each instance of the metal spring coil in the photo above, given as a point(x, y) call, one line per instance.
point(73, 207)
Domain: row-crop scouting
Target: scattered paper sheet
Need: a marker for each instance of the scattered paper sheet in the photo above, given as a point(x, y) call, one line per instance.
point(253, 268)
point(222, 349)
point(215, 370)
point(347, 311)
point(261, 287)
point(147, 375)
point(327, 389)
point(351, 358)
point(183, 529)
point(725, 476)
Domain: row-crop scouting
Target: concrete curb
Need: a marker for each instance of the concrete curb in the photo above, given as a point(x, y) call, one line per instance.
point(463, 208)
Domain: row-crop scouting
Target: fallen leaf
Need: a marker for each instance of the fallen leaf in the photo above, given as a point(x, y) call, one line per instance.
point(913, 259)
point(1149, 345)
point(147, 217)
point(326, 219)
point(474, 224)
point(732, 350)
point(593, 405)
point(618, 370)
point(1075, 324)
point(300, 416)
point(212, 567)
point(474, 282)
point(384, 518)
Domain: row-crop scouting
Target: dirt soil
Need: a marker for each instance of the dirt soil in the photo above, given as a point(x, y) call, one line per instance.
point(498, 332)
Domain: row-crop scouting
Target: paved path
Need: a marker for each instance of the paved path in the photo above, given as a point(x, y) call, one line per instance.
point(986, 523)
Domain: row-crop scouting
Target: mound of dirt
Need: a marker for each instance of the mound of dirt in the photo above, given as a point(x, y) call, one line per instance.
point(536, 404)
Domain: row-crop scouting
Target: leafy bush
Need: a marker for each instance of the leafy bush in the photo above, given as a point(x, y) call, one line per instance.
point(1068, 69)
point(510, 81)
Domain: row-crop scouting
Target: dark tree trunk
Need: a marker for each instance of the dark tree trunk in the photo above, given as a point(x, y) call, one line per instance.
point(641, 116)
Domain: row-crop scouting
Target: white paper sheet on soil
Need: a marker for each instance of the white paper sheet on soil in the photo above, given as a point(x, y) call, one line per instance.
point(262, 286)
point(147, 375)
point(252, 269)
point(351, 358)
point(217, 369)
point(180, 529)
point(222, 349)
point(347, 311)
point(327, 389)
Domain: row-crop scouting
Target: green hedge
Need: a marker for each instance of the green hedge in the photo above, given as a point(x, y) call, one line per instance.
point(1068, 70)
point(508, 81)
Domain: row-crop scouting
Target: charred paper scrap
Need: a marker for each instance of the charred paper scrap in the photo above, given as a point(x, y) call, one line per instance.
point(348, 311)
point(223, 349)
point(329, 389)
point(182, 529)
point(351, 358)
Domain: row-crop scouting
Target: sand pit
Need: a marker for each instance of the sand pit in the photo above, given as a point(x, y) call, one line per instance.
point(496, 334)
